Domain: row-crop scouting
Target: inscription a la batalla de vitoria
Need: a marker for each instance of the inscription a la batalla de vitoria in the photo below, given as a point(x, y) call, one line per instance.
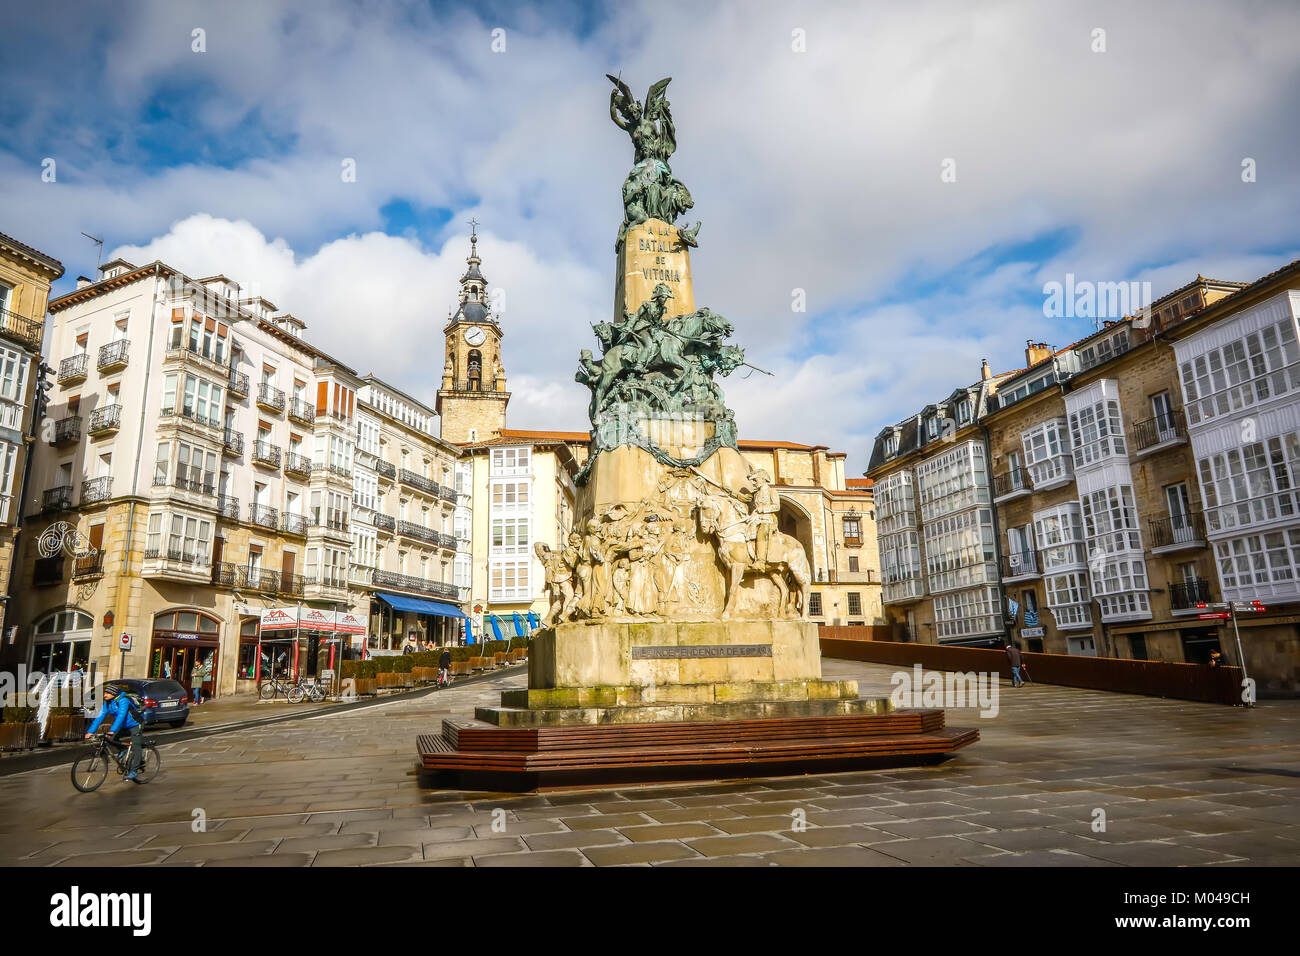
point(661, 245)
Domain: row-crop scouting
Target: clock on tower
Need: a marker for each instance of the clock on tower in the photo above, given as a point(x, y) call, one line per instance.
point(472, 399)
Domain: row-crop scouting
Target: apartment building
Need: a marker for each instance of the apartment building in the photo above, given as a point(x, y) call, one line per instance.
point(25, 277)
point(1238, 370)
point(411, 507)
point(1103, 546)
point(935, 522)
point(1136, 475)
point(201, 478)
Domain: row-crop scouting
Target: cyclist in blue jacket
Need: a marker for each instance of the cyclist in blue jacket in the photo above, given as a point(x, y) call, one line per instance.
point(117, 704)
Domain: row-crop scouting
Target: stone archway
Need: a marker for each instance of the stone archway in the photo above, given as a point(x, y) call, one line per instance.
point(797, 523)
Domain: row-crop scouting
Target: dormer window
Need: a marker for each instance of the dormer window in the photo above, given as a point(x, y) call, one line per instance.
point(932, 427)
point(891, 444)
point(963, 412)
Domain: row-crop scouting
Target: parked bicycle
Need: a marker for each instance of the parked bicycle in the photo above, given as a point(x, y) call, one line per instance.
point(91, 770)
point(309, 690)
point(272, 687)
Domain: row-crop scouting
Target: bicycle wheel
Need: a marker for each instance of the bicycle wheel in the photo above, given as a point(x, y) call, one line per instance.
point(296, 694)
point(150, 765)
point(90, 771)
point(267, 690)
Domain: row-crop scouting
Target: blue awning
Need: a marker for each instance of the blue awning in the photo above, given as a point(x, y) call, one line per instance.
point(496, 625)
point(400, 603)
point(469, 632)
point(519, 626)
point(533, 622)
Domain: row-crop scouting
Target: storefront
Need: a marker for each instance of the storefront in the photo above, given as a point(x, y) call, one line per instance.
point(62, 641)
point(185, 646)
point(298, 642)
point(399, 616)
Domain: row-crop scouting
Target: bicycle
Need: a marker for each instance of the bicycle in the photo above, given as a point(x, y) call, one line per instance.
point(308, 690)
point(91, 769)
point(269, 688)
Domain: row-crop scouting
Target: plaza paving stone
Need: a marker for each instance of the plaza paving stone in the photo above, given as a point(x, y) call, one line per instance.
point(1181, 784)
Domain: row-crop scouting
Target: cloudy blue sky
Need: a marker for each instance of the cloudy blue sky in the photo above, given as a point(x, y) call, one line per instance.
point(812, 137)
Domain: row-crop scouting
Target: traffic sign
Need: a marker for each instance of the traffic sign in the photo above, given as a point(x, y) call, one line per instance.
point(1208, 617)
point(124, 642)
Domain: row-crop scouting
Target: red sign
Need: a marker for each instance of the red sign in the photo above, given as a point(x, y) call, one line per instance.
point(1207, 617)
point(124, 642)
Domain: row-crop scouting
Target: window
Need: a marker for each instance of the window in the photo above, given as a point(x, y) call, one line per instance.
point(508, 579)
point(365, 490)
point(891, 444)
point(511, 462)
point(367, 435)
point(969, 613)
point(1104, 350)
point(13, 375)
point(953, 481)
point(1068, 599)
point(1252, 484)
point(178, 537)
point(510, 535)
point(510, 495)
point(1268, 561)
point(1097, 432)
point(959, 550)
point(852, 530)
point(853, 563)
point(1058, 533)
point(1260, 366)
point(895, 503)
point(815, 604)
point(855, 603)
point(1110, 520)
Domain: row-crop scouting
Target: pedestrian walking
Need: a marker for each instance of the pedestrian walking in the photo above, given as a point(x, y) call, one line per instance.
point(1013, 655)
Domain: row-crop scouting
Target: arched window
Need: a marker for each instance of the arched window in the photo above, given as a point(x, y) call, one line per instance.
point(475, 373)
point(62, 641)
point(185, 622)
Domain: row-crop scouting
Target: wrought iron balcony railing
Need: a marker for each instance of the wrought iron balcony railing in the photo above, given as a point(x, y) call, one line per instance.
point(294, 585)
point(188, 412)
point(233, 442)
point(297, 465)
point(303, 412)
point(264, 453)
point(89, 566)
point(386, 468)
point(406, 582)
point(263, 515)
point(1012, 482)
point(1185, 595)
point(74, 368)
point(270, 397)
point(331, 518)
point(21, 329)
point(95, 490)
point(114, 355)
point(1181, 530)
point(408, 477)
point(1169, 427)
point(1020, 563)
point(385, 522)
point(57, 499)
point(67, 431)
point(293, 524)
point(237, 385)
point(107, 418)
point(228, 507)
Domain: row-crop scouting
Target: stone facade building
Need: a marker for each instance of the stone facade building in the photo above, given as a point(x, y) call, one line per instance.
point(204, 482)
point(1132, 476)
point(25, 277)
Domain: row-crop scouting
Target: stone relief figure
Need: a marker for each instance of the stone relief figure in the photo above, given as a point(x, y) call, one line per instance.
point(559, 584)
point(764, 505)
point(731, 526)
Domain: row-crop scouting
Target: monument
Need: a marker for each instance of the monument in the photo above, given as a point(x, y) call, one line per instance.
point(676, 642)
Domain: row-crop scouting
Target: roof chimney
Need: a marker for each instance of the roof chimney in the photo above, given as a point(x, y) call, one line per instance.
point(1035, 352)
point(83, 281)
point(986, 373)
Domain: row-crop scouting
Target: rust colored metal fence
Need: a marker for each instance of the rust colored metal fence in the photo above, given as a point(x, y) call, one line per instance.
point(1215, 685)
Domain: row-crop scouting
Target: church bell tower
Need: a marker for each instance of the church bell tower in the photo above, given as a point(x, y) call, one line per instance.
point(472, 399)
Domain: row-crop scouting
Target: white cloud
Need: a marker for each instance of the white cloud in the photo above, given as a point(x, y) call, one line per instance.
point(816, 170)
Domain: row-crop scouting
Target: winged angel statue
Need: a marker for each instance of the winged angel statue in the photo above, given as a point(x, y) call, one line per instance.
point(650, 191)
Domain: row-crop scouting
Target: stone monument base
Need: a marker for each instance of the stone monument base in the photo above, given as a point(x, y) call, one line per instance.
point(632, 672)
point(622, 701)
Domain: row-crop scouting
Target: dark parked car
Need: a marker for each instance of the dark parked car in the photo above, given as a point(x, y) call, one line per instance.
point(165, 701)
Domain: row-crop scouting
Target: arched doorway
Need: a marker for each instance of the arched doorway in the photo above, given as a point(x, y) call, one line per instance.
point(185, 646)
point(795, 521)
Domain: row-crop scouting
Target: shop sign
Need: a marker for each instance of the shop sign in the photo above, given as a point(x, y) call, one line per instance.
point(1031, 632)
point(346, 622)
point(314, 619)
point(279, 618)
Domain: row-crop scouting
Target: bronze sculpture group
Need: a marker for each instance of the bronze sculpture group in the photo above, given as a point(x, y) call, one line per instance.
point(634, 561)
